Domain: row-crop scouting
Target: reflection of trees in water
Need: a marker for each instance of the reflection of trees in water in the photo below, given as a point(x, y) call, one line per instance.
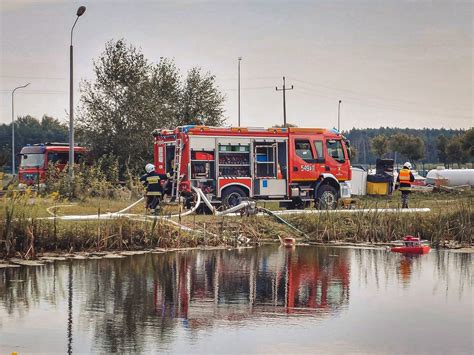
point(383, 266)
point(374, 263)
point(453, 267)
point(118, 305)
point(26, 287)
point(135, 304)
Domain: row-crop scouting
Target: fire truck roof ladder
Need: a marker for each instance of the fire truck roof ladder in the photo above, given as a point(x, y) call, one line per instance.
point(176, 179)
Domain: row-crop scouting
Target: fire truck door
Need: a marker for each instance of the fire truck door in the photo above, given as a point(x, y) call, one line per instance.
point(335, 158)
point(302, 160)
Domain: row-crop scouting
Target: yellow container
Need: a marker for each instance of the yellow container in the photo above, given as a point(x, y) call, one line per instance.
point(377, 188)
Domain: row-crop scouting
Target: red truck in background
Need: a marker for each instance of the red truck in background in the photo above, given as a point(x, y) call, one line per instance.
point(36, 158)
point(292, 165)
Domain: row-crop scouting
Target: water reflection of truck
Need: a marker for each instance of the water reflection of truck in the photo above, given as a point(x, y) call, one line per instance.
point(36, 158)
point(303, 282)
point(293, 165)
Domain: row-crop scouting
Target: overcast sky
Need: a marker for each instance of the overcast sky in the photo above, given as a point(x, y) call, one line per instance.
point(392, 63)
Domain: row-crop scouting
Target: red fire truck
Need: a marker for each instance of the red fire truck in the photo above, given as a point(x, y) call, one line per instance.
point(35, 159)
point(292, 165)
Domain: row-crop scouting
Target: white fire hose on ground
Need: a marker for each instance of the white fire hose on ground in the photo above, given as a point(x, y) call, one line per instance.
point(201, 197)
point(146, 218)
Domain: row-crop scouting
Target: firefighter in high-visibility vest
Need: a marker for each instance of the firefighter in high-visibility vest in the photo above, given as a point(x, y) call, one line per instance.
point(404, 180)
point(154, 189)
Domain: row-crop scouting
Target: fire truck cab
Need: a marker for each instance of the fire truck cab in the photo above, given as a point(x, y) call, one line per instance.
point(36, 158)
point(292, 165)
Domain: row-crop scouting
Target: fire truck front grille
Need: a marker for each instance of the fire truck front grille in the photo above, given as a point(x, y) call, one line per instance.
point(30, 177)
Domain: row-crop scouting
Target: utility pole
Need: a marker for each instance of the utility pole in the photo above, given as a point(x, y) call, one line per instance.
point(339, 116)
point(239, 59)
point(284, 89)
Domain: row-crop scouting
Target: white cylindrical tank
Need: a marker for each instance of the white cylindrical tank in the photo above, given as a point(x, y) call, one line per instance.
point(359, 182)
point(454, 177)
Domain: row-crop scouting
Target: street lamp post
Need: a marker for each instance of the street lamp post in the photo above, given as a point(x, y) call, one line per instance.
point(13, 125)
point(79, 13)
point(339, 116)
point(240, 59)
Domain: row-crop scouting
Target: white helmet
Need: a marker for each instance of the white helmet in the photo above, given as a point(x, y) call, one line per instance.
point(407, 165)
point(149, 168)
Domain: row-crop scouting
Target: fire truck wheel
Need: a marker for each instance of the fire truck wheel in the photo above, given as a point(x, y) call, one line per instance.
point(232, 196)
point(297, 204)
point(326, 198)
point(190, 201)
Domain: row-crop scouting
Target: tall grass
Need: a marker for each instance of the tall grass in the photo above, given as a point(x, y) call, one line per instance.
point(24, 234)
point(444, 224)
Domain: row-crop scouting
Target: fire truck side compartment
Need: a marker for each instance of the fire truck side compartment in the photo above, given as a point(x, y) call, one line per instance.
point(202, 143)
point(271, 187)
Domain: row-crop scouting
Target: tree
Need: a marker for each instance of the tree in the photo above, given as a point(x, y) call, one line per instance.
point(201, 100)
point(442, 142)
point(131, 97)
point(454, 151)
point(379, 145)
point(114, 117)
point(467, 142)
point(360, 138)
point(408, 146)
point(414, 148)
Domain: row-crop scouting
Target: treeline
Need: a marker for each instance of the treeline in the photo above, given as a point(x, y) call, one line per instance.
point(29, 130)
point(426, 145)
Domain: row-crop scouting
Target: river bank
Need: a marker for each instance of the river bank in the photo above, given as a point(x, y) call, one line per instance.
point(26, 234)
point(42, 259)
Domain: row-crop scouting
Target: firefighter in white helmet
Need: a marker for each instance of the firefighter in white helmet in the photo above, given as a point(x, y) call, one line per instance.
point(404, 180)
point(154, 189)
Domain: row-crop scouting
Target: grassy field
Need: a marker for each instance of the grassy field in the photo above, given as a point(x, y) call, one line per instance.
point(23, 232)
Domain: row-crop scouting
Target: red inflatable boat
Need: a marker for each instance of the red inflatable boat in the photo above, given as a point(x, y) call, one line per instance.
point(411, 245)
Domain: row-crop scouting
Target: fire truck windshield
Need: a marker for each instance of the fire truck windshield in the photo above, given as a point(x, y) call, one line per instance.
point(32, 160)
point(335, 150)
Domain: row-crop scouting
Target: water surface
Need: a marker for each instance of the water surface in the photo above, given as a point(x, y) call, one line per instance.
point(257, 300)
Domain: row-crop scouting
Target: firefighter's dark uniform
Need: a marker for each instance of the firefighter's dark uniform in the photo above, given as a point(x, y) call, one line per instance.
point(154, 189)
point(404, 180)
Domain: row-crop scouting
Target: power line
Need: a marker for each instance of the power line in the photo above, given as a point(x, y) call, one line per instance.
point(35, 92)
point(32, 77)
point(313, 93)
point(250, 88)
point(360, 95)
point(249, 78)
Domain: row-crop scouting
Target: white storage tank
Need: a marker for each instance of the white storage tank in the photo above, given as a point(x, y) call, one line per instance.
point(451, 177)
point(359, 181)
